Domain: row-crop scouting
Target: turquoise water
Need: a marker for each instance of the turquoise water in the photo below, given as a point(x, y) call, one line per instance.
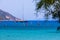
point(29, 25)
point(29, 35)
point(29, 30)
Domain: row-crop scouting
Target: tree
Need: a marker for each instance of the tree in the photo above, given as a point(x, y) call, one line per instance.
point(47, 4)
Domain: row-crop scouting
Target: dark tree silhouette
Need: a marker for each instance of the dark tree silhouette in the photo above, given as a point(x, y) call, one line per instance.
point(47, 4)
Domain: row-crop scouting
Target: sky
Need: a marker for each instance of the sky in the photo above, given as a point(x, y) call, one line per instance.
point(23, 9)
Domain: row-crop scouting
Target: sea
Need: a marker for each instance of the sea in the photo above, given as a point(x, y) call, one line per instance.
point(29, 30)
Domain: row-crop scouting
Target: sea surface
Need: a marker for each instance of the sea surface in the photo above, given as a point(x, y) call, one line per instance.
point(29, 35)
point(31, 30)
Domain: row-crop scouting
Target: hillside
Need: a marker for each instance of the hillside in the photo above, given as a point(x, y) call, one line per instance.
point(5, 16)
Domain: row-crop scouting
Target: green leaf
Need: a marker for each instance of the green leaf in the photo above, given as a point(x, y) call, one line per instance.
point(39, 4)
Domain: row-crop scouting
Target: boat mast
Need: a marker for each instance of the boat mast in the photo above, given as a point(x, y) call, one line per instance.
point(23, 10)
